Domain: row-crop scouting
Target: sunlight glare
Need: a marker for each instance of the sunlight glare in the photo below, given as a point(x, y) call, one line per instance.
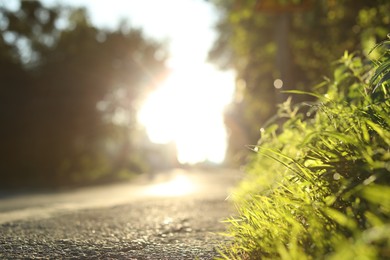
point(188, 109)
point(179, 186)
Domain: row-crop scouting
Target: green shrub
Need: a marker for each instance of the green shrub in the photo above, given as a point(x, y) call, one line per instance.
point(318, 186)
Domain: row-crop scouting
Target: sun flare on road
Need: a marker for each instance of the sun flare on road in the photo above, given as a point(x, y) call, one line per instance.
point(180, 185)
point(188, 110)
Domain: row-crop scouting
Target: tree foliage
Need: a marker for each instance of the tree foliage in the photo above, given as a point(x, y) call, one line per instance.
point(68, 97)
point(294, 41)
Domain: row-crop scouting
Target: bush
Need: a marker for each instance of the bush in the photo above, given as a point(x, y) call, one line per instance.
point(318, 185)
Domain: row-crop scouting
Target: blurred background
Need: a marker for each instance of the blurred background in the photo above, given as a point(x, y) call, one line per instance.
point(95, 91)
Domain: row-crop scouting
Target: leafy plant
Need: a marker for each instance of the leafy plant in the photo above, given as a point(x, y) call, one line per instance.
point(318, 185)
point(291, 40)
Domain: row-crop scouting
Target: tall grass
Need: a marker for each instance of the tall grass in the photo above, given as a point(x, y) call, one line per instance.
point(318, 186)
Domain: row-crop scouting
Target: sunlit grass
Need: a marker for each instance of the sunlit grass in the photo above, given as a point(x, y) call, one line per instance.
point(318, 188)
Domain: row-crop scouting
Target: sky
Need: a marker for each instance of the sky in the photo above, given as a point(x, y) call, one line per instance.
point(188, 107)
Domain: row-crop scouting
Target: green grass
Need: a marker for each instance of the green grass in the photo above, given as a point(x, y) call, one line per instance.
point(318, 186)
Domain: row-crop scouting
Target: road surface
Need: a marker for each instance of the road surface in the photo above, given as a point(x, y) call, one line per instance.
point(176, 215)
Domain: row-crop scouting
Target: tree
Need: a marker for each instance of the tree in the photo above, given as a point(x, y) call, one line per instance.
point(69, 95)
point(292, 41)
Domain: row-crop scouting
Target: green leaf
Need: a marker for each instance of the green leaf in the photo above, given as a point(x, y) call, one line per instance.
point(383, 68)
point(383, 133)
point(300, 92)
point(340, 218)
point(377, 194)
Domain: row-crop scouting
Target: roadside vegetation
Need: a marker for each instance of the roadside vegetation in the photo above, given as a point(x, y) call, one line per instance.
point(294, 41)
point(318, 183)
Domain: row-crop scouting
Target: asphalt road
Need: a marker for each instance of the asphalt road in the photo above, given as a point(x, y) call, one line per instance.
point(175, 215)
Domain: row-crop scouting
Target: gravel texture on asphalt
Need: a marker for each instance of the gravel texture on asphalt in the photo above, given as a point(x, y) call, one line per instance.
point(159, 228)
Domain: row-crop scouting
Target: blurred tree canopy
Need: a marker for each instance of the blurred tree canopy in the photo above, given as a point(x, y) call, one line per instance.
point(290, 40)
point(68, 95)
